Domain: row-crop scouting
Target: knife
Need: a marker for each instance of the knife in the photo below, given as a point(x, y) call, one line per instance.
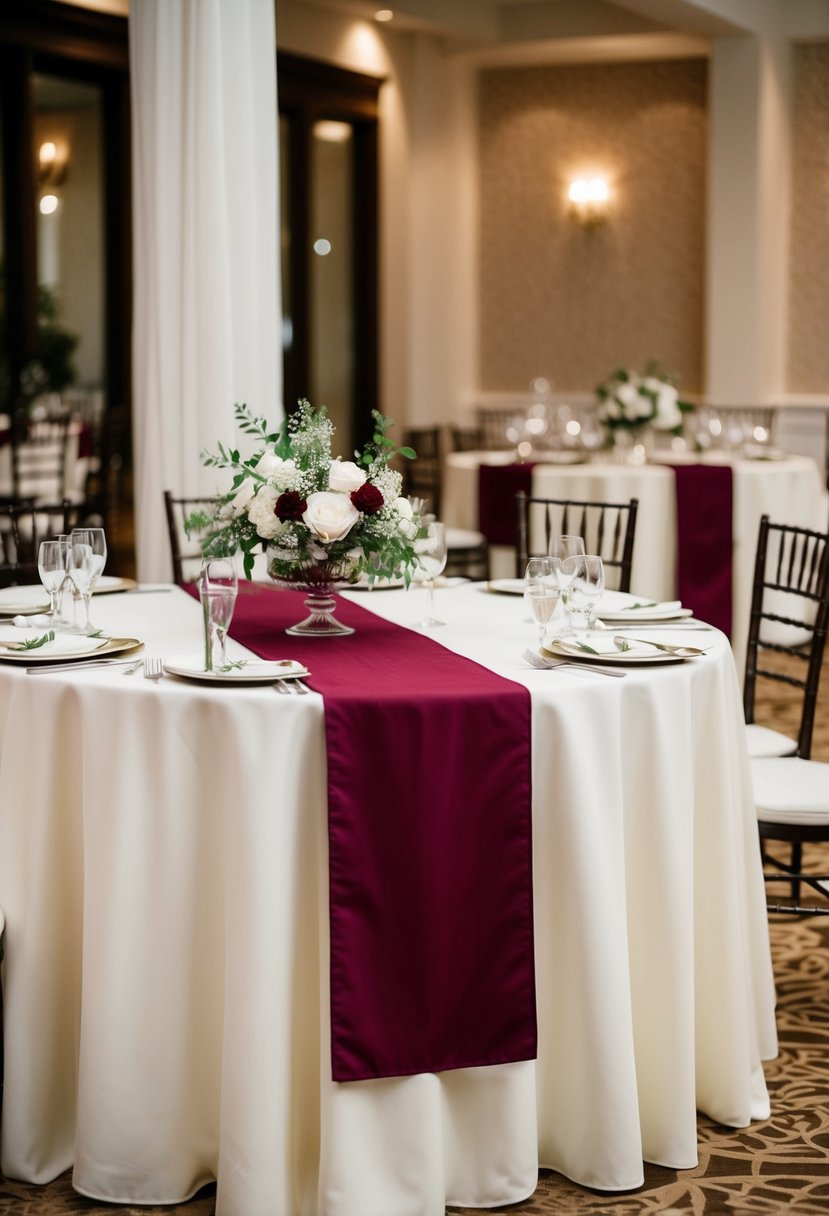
point(69, 665)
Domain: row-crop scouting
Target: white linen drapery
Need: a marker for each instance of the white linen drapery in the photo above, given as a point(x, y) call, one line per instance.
point(206, 263)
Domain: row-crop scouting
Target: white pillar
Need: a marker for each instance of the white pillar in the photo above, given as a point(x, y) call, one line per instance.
point(748, 216)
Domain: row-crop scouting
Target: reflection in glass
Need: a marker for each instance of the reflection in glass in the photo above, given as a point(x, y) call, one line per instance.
point(68, 156)
point(331, 281)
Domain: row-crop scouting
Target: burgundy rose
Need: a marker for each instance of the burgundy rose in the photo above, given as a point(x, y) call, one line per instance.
point(290, 505)
point(367, 499)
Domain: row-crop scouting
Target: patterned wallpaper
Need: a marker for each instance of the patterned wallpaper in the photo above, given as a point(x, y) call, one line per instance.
point(808, 370)
point(572, 304)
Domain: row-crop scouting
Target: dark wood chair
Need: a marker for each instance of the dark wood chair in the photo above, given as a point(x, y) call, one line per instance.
point(22, 528)
point(466, 438)
point(185, 550)
point(786, 644)
point(608, 528)
point(467, 551)
point(38, 451)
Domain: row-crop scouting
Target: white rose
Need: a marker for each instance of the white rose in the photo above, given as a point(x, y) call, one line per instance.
point(668, 413)
point(242, 497)
point(262, 515)
point(406, 525)
point(345, 476)
point(627, 396)
point(330, 515)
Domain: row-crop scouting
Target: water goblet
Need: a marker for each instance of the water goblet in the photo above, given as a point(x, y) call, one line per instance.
point(560, 549)
point(586, 585)
point(51, 566)
point(430, 547)
point(218, 586)
point(86, 555)
point(542, 591)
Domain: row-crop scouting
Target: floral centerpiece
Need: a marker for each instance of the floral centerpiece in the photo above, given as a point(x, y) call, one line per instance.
point(323, 521)
point(629, 401)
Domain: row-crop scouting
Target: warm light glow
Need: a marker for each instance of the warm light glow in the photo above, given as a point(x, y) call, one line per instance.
point(48, 204)
point(383, 14)
point(322, 247)
point(47, 153)
point(332, 132)
point(589, 198)
point(573, 427)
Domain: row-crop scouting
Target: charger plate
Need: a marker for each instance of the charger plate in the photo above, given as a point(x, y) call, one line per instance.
point(106, 646)
point(603, 651)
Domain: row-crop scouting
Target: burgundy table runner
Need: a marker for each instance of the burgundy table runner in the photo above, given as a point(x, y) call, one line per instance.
point(497, 486)
point(704, 524)
point(430, 849)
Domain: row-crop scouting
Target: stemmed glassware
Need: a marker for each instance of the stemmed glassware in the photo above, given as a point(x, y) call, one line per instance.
point(218, 586)
point(51, 566)
point(86, 555)
point(560, 549)
point(586, 585)
point(543, 591)
point(430, 546)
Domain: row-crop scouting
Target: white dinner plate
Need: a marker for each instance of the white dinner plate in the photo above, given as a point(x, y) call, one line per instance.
point(110, 583)
point(619, 606)
point(507, 586)
point(255, 671)
point(20, 601)
point(62, 646)
point(603, 650)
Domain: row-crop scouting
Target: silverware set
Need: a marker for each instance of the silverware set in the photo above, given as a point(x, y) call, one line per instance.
point(290, 688)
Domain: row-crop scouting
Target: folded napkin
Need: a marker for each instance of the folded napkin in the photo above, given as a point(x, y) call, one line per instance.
point(62, 645)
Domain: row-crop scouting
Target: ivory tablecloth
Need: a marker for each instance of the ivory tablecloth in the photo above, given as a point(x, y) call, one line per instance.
point(163, 876)
point(789, 491)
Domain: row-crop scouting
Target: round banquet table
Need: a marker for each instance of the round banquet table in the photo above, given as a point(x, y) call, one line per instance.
point(789, 491)
point(164, 881)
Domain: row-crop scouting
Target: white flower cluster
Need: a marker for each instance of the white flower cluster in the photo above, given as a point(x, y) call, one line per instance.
point(292, 498)
point(628, 399)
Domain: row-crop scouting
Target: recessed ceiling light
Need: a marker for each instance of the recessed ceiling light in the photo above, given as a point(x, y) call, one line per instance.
point(383, 14)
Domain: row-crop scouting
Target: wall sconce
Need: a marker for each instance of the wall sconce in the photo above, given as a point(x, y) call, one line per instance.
point(52, 161)
point(589, 198)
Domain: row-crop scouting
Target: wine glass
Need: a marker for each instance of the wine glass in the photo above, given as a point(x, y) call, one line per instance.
point(586, 585)
point(51, 566)
point(430, 547)
point(560, 549)
point(543, 591)
point(218, 586)
point(86, 554)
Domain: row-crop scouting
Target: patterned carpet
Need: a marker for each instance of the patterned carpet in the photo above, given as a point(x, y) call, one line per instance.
point(778, 1166)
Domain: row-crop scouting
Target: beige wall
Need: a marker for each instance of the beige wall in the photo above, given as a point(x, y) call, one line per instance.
point(808, 368)
point(572, 304)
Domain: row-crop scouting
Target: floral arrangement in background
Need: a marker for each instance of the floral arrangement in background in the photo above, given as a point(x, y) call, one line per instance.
point(320, 519)
point(628, 400)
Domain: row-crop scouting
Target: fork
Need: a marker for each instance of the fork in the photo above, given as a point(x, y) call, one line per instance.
point(153, 669)
point(535, 660)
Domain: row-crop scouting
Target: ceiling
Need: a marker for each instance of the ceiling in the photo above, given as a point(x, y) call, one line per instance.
point(482, 23)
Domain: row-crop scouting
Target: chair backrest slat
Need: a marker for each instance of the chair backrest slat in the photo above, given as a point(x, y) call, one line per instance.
point(789, 617)
point(608, 528)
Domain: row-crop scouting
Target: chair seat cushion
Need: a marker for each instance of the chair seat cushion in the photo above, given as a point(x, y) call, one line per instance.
point(790, 790)
point(763, 741)
point(462, 538)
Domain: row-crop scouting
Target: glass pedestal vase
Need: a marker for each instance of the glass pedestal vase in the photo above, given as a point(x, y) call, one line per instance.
point(320, 622)
point(629, 445)
point(319, 584)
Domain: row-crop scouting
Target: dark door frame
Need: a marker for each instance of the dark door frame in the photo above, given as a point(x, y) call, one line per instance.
point(310, 90)
point(79, 44)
